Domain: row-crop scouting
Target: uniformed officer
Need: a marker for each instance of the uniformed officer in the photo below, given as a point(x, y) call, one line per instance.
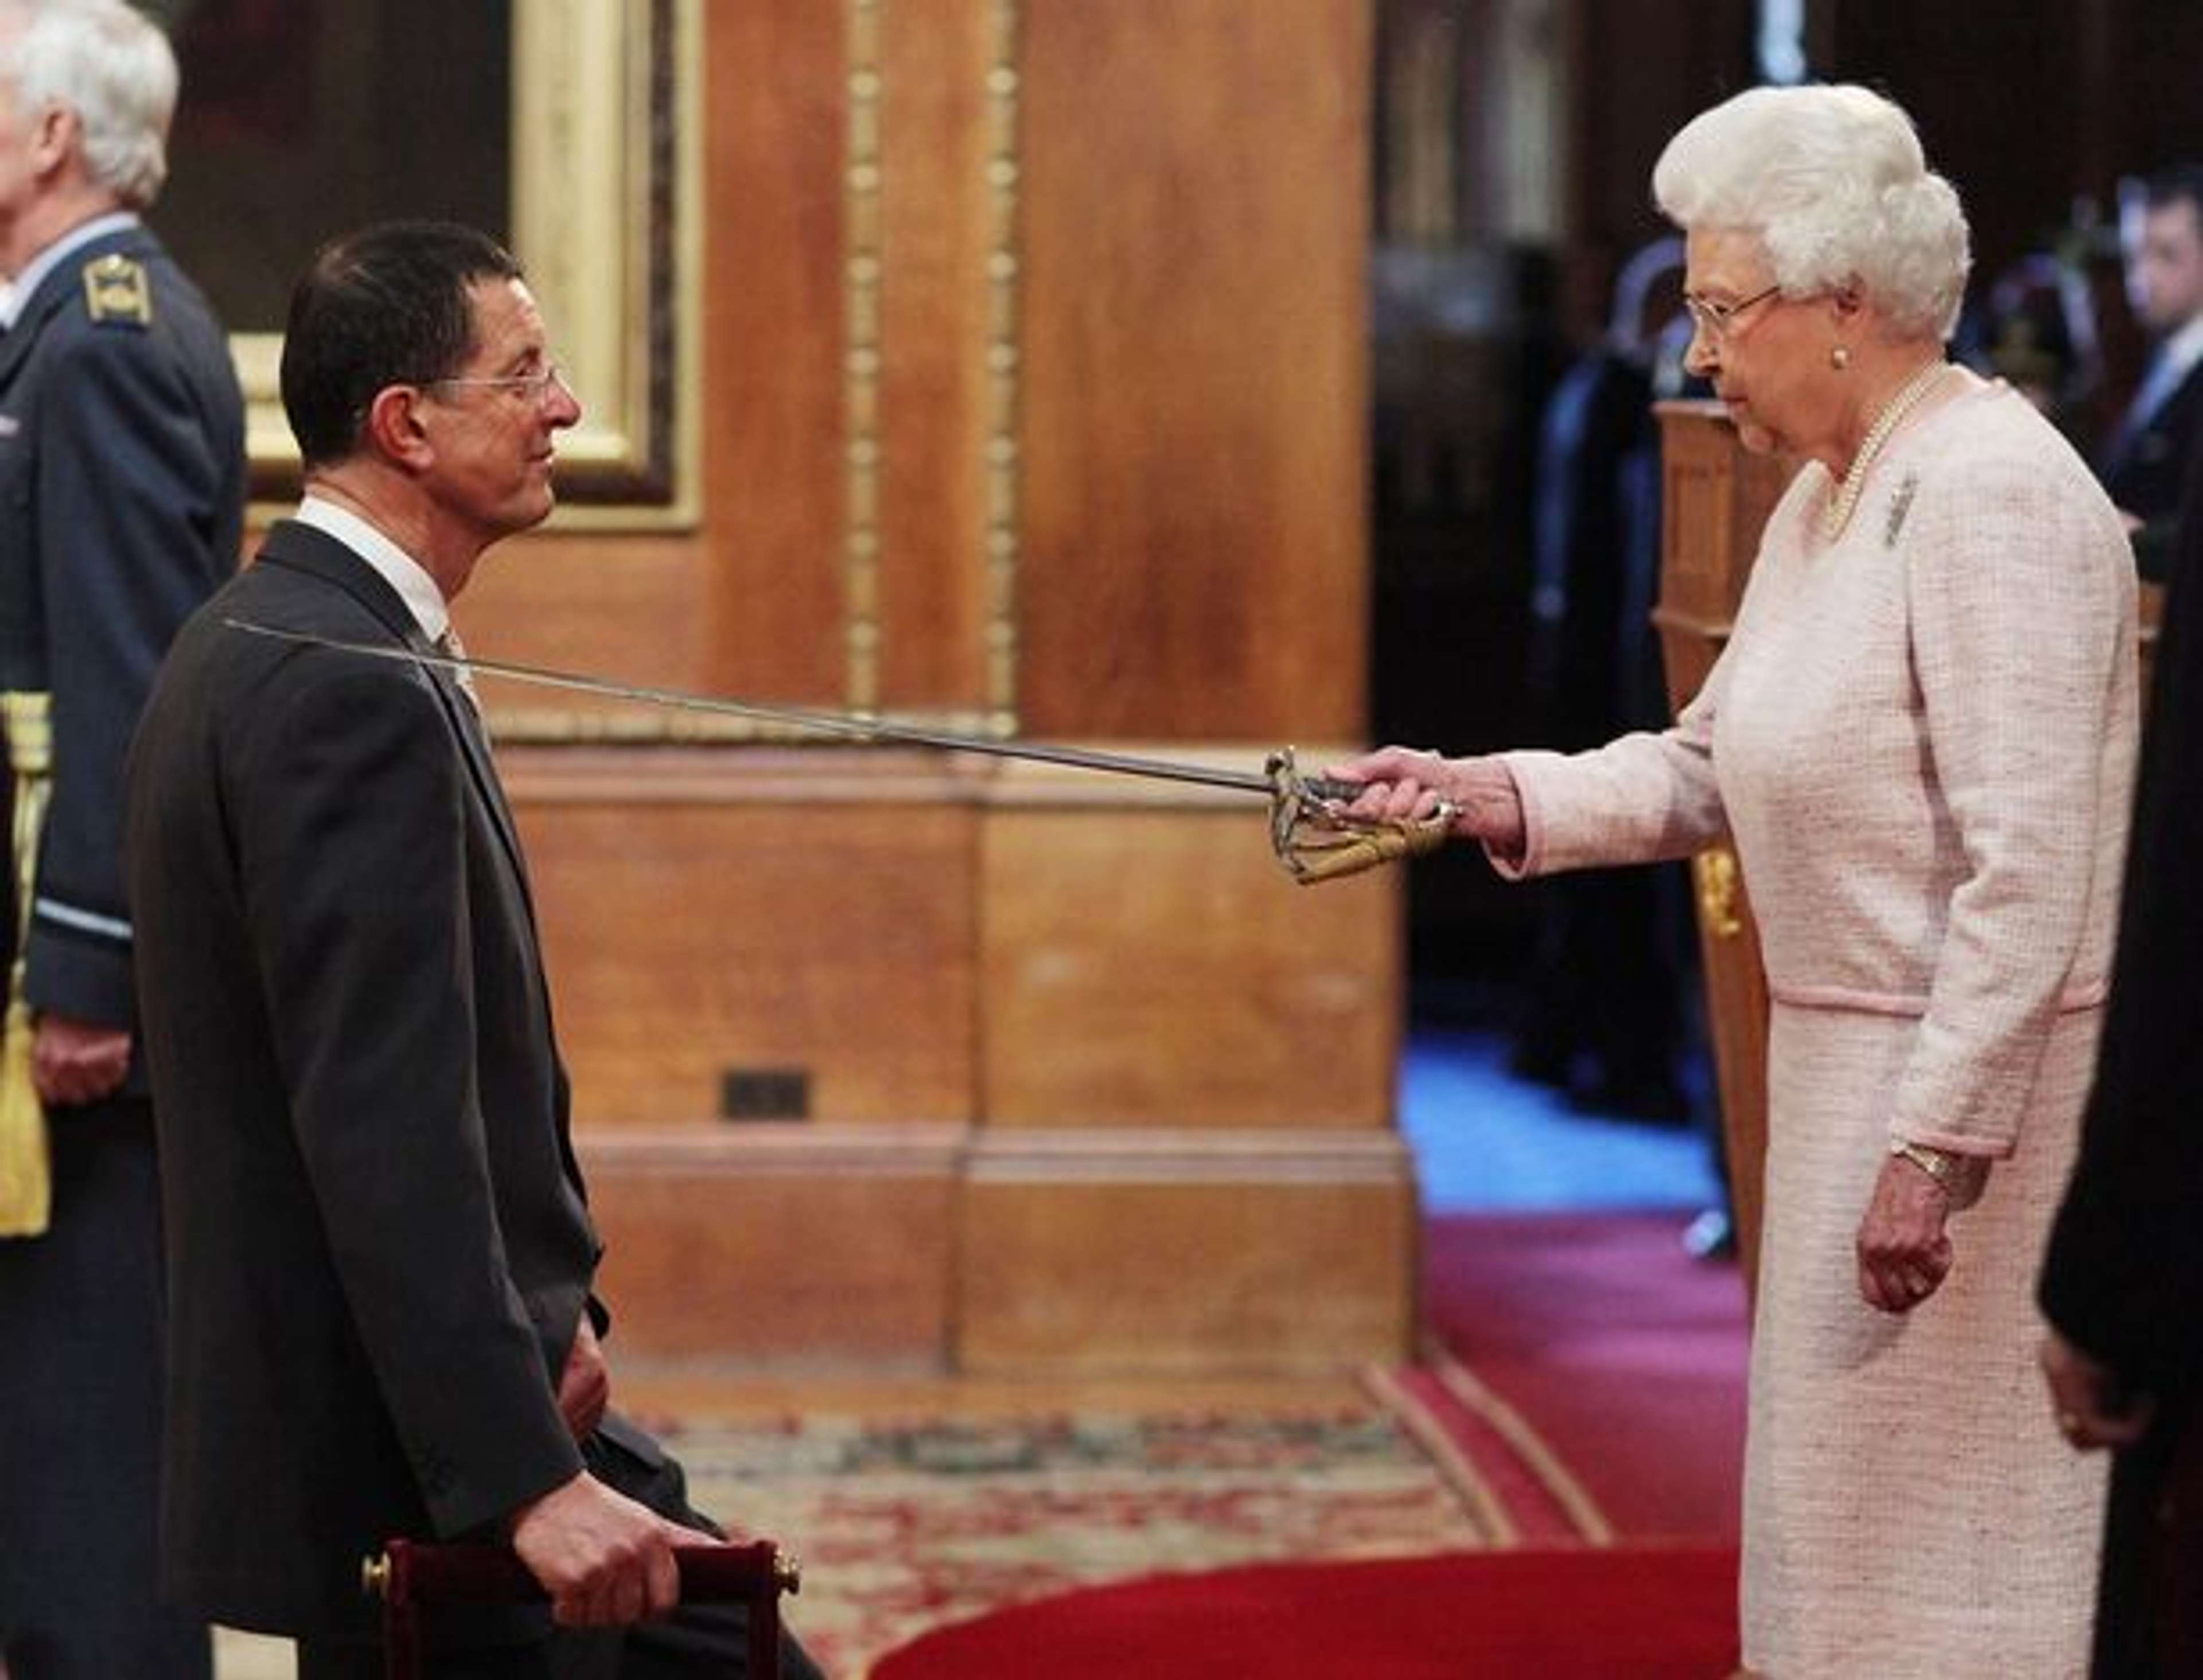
point(122, 498)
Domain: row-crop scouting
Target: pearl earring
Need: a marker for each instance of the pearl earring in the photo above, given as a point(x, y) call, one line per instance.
point(1840, 357)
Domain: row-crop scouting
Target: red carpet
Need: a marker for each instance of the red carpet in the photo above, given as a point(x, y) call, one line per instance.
point(1583, 1387)
point(1623, 1357)
point(1648, 1613)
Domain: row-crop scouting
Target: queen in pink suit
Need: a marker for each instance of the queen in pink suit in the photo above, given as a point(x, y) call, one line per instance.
point(1920, 740)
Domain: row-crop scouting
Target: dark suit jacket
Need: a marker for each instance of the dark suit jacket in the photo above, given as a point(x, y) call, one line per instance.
point(2144, 473)
point(121, 500)
point(2123, 1278)
point(378, 1248)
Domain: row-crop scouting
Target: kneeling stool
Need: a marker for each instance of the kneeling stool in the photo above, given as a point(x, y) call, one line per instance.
point(412, 1573)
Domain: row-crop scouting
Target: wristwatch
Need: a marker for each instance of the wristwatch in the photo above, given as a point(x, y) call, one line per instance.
point(1939, 1164)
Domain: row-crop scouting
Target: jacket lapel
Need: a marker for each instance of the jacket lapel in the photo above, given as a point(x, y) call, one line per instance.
point(302, 549)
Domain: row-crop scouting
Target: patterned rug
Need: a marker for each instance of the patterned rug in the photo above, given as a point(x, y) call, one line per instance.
point(905, 1524)
point(902, 1526)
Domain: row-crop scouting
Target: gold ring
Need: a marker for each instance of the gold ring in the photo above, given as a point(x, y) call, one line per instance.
point(2068, 1422)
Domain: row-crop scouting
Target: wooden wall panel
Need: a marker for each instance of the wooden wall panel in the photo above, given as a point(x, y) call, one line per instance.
point(952, 943)
point(1146, 962)
point(1183, 194)
point(1194, 187)
point(774, 477)
point(623, 607)
point(753, 602)
point(1112, 1255)
point(779, 1246)
point(937, 233)
point(703, 911)
point(1095, 1085)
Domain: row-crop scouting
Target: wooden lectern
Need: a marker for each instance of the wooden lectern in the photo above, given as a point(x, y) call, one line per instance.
point(1716, 499)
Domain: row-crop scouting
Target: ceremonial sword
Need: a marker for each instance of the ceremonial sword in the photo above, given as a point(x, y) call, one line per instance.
point(859, 725)
point(1315, 836)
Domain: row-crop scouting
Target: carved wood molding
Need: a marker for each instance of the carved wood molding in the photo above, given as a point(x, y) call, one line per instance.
point(1189, 1155)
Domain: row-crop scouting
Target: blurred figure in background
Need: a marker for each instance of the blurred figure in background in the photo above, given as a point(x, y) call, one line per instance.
point(2122, 1284)
point(2143, 462)
point(1610, 1014)
point(1604, 1017)
point(2037, 332)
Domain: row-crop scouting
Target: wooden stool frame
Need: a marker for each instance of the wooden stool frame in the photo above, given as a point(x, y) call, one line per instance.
point(410, 1573)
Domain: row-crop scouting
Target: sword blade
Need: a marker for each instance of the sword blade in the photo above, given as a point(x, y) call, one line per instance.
point(858, 726)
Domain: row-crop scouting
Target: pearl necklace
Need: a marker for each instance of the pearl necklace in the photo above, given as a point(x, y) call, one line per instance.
point(1837, 513)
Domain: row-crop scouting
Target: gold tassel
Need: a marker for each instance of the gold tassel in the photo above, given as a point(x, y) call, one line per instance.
point(26, 1171)
point(1318, 855)
point(25, 1174)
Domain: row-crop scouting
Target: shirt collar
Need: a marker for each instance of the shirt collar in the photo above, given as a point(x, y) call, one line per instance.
point(2183, 349)
point(25, 286)
point(397, 568)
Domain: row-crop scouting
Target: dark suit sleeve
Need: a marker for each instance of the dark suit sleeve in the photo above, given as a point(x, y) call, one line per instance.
point(129, 493)
point(2124, 1271)
point(353, 857)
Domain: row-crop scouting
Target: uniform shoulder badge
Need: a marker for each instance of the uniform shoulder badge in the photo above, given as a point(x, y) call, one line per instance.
point(116, 288)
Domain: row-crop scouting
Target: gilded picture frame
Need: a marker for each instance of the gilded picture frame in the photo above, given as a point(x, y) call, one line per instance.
point(605, 166)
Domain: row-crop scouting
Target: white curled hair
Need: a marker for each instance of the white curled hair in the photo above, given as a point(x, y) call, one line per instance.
point(114, 69)
point(1832, 182)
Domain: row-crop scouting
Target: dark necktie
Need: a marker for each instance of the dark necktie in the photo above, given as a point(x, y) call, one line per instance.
point(2158, 383)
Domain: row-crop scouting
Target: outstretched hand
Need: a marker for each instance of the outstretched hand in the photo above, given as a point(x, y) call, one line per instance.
point(1405, 784)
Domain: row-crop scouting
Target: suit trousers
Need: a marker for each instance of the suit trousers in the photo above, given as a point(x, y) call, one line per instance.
point(2149, 1603)
point(697, 1642)
point(80, 1415)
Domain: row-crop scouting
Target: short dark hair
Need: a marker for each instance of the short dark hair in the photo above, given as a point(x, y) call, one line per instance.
point(388, 305)
point(2175, 183)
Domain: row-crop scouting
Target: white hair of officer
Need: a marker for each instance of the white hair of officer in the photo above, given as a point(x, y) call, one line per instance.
point(113, 67)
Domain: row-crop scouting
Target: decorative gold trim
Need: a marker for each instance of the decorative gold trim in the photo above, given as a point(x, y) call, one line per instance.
point(606, 189)
point(1714, 871)
point(861, 379)
point(1002, 500)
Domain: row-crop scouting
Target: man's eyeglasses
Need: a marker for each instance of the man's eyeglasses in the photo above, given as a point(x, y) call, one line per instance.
point(1715, 320)
point(534, 386)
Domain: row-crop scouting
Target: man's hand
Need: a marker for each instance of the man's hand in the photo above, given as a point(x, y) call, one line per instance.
point(75, 1062)
point(1904, 1252)
point(2093, 1407)
point(605, 1560)
point(585, 1386)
